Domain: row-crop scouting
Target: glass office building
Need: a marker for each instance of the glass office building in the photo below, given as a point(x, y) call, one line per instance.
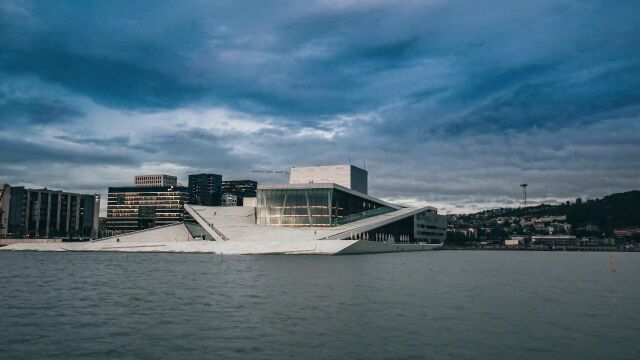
point(205, 189)
point(240, 188)
point(133, 208)
point(314, 205)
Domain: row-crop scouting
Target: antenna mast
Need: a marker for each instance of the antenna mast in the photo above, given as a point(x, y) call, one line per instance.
point(524, 194)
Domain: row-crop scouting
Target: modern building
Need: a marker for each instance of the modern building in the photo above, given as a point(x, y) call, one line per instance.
point(205, 189)
point(297, 218)
point(317, 205)
point(250, 202)
point(229, 199)
point(314, 204)
point(47, 214)
point(155, 180)
point(131, 208)
point(519, 239)
point(348, 176)
point(241, 189)
point(328, 196)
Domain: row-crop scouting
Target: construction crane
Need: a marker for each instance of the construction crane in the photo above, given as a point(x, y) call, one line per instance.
point(284, 172)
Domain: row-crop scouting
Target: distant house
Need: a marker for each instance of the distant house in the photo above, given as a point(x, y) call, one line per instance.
point(553, 240)
point(517, 240)
point(626, 232)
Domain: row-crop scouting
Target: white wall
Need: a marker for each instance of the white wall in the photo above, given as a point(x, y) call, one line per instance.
point(344, 175)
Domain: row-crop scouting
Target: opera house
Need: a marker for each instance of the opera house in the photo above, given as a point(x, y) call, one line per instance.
point(322, 210)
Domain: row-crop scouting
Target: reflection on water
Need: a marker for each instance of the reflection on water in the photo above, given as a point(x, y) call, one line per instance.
point(438, 305)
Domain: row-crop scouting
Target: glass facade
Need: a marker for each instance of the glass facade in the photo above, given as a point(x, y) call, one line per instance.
point(240, 189)
point(205, 189)
point(313, 207)
point(426, 227)
point(137, 208)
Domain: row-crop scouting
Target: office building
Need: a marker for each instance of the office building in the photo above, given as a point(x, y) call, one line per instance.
point(348, 176)
point(241, 189)
point(131, 208)
point(47, 214)
point(205, 189)
point(155, 180)
point(229, 199)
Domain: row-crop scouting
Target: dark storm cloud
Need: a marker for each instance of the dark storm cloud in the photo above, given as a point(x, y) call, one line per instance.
point(115, 141)
point(34, 112)
point(41, 152)
point(462, 98)
point(308, 62)
point(110, 81)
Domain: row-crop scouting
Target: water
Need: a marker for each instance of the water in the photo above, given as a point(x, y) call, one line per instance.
point(437, 305)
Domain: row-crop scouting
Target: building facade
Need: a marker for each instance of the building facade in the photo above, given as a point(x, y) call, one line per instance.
point(553, 240)
point(229, 199)
point(348, 176)
point(43, 213)
point(156, 180)
point(241, 189)
point(205, 189)
point(314, 205)
point(132, 208)
point(429, 227)
point(335, 196)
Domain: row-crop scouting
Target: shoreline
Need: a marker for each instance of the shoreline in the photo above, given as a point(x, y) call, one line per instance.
point(567, 249)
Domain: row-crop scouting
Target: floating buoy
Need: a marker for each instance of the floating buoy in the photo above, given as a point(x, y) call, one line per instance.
point(612, 262)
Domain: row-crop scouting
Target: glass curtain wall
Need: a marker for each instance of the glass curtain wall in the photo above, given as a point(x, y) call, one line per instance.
point(135, 208)
point(312, 207)
point(294, 207)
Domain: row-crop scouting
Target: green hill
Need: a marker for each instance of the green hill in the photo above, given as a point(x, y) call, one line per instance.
point(611, 212)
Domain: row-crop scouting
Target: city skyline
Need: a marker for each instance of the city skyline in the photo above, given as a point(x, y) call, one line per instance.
point(451, 104)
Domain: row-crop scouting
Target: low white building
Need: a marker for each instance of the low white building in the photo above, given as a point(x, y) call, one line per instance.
point(553, 240)
point(349, 176)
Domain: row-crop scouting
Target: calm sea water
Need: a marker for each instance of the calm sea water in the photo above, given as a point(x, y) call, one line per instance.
point(437, 305)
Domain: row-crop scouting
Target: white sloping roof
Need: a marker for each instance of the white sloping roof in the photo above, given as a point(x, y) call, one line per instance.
point(238, 224)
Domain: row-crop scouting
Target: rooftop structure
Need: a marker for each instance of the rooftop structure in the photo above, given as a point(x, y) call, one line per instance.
point(155, 180)
point(349, 176)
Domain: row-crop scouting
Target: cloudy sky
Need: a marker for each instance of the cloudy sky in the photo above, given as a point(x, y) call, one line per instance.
point(450, 103)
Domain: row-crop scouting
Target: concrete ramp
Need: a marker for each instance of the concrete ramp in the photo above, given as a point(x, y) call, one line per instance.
point(177, 232)
point(234, 231)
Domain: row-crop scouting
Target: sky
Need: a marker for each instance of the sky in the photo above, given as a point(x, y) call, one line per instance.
point(452, 104)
